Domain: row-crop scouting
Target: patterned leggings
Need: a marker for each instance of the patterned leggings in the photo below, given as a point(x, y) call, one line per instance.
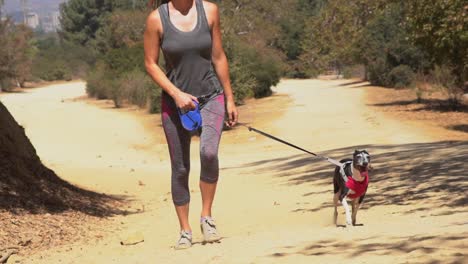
point(178, 140)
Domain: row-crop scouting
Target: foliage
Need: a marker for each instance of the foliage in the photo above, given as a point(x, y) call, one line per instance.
point(401, 76)
point(383, 47)
point(98, 81)
point(60, 60)
point(265, 40)
point(440, 27)
point(444, 80)
point(16, 53)
point(252, 73)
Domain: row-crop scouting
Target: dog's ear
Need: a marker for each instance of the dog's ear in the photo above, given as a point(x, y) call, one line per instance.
point(356, 151)
point(367, 152)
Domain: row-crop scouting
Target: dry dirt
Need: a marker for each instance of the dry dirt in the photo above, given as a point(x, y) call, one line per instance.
point(273, 203)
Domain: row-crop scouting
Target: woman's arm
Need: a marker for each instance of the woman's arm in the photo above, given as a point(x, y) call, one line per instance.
point(220, 63)
point(152, 42)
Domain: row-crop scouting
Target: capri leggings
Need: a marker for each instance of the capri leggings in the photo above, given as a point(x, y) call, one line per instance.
point(178, 140)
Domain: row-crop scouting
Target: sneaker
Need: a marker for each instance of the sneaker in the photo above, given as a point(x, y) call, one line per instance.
point(185, 240)
point(208, 229)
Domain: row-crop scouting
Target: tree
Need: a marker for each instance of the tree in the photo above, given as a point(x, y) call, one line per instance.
point(384, 46)
point(16, 53)
point(81, 19)
point(440, 27)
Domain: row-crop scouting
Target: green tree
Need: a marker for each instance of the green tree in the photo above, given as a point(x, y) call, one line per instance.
point(440, 27)
point(384, 44)
point(81, 19)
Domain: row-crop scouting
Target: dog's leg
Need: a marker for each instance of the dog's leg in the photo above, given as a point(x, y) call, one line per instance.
point(335, 203)
point(355, 207)
point(347, 211)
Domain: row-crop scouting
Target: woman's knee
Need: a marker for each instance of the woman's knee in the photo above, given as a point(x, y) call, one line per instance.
point(208, 156)
point(180, 173)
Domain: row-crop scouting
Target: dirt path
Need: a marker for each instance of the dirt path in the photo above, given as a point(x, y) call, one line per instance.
point(273, 203)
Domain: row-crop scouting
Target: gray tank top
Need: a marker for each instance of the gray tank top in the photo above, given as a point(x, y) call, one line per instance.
point(188, 54)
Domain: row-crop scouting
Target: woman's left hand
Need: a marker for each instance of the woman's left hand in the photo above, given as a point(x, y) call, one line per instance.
point(232, 113)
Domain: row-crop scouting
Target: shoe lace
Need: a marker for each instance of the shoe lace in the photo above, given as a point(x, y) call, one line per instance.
point(211, 226)
point(184, 237)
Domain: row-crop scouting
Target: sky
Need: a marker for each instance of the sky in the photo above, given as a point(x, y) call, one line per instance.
point(34, 5)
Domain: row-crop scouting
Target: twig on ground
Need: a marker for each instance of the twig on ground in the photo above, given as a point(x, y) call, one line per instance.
point(8, 254)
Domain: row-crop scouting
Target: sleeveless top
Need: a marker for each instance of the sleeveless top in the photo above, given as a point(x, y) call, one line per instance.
point(188, 54)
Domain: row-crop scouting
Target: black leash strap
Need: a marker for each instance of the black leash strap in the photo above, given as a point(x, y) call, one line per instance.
point(332, 161)
point(278, 139)
point(291, 145)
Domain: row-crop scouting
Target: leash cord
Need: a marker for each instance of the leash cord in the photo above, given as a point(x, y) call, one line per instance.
point(332, 161)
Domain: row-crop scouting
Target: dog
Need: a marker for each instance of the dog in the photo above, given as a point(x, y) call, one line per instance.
point(350, 182)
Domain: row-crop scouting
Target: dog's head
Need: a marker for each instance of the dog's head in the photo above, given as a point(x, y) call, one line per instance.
point(361, 160)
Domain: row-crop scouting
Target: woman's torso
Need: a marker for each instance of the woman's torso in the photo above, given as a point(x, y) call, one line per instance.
point(187, 54)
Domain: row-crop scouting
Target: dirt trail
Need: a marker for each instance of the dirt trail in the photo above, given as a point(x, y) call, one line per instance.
point(273, 203)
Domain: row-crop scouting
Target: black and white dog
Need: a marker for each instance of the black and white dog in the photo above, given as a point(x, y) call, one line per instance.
point(350, 181)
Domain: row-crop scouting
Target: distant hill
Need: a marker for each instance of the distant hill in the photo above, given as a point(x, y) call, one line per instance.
point(40, 6)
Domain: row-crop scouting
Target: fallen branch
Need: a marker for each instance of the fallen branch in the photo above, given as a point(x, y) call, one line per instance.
point(8, 255)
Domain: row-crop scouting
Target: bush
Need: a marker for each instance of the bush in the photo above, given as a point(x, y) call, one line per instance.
point(242, 81)
point(7, 85)
point(60, 61)
point(267, 74)
point(444, 80)
point(135, 88)
point(97, 83)
point(385, 48)
point(420, 85)
point(377, 72)
point(354, 71)
point(401, 76)
point(252, 73)
point(125, 59)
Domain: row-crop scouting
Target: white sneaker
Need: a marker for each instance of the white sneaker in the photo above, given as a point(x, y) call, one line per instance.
point(208, 228)
point(185, 240)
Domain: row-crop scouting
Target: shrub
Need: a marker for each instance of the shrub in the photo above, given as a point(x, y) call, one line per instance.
point(400, 76)
point(125, 59)
point(135, 87)
point(243, 83)
point(267, 74)
point(420, 85)
point(444, 80)
point(252, 73)
point(377, 72)
point(354, 71)
point(96, 85)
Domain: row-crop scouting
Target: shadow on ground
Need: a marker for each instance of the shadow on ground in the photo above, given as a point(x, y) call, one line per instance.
point(461, 128)
point(399, 245)
point(437, 105)
point(402, 174)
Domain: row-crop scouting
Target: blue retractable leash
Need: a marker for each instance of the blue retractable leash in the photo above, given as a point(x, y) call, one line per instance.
point(192, 119)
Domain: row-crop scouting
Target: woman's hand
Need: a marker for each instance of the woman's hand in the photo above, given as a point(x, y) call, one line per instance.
point(184, 101)
point(232, 113)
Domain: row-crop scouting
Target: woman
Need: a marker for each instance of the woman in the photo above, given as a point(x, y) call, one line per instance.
point(188, 32)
